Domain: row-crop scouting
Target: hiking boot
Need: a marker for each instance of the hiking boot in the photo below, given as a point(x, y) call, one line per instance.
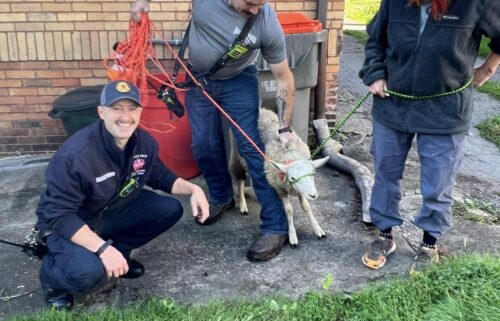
point(215, 212)
point(266, 246)
point(377, 254)
point(57, 299)
point(425, 256)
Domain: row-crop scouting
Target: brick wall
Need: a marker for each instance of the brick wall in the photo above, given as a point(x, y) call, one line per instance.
point(48, 47)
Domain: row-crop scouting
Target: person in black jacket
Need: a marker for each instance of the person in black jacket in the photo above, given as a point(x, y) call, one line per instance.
point(425, 49)
point(94, 210)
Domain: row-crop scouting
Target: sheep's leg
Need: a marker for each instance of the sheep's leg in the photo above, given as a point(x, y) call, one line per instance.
point(292, 234)
point(242, 199)
point(307, 208)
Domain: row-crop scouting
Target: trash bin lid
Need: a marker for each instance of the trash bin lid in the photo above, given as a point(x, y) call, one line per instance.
point(296, 22)
point(79, 98)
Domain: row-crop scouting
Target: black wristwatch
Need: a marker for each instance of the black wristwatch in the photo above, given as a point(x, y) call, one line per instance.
point(103, 247)
point(286, 129)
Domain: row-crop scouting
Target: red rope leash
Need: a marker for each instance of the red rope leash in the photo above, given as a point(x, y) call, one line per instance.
point(129, 62)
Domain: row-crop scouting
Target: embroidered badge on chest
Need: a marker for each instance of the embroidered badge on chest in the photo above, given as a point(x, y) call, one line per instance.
point(138, 164)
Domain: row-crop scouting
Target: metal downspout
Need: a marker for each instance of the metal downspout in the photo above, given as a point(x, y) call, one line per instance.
point(320, 90)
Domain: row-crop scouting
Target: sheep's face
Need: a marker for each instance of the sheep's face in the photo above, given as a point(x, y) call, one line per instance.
point(300, 175)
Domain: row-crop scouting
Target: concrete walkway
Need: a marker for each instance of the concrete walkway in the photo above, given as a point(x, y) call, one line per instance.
point(194, 264)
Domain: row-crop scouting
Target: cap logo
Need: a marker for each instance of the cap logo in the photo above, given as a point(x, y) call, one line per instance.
point(122, 87)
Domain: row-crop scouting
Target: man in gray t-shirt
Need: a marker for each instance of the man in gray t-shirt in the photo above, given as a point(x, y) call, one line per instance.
point(214, 27)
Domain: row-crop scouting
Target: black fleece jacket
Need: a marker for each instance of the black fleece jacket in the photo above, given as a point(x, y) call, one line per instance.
point(441, 59)
point(87, 172)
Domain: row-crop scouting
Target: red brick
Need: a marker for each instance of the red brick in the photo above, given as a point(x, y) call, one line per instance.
point(4, 92)
point(71, 82)
point(6, 124)
point(35, 65)
point(8, 140)
point(77, 73)
point(52, 91)
point(49, 74)
point(14, 132)
point(10, 65)
point(10, 83)
point(37, 83)
point(32, 140)
point(5, 110)
point(91, 64)
point(40, 100)
point(12, 100)
point(18, 148)
point(53, 131)
point(51, 123)
point(23, 92)
point(64, 65)
point(25, 108)
point(27, 123)
point(19, 74)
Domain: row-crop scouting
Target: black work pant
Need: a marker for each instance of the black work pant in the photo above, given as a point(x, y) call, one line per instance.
point(70, 267)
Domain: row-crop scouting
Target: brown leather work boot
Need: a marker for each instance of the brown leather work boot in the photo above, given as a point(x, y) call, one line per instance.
point(267, 246)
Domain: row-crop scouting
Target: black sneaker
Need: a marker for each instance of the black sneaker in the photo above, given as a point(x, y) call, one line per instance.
point(216, 211)
point(57, 299)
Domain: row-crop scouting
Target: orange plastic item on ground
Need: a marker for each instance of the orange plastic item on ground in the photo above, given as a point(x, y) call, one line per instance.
point(296, 22)
point(172, 134)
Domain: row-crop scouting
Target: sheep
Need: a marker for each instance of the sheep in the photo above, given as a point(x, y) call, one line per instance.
point(290, 172)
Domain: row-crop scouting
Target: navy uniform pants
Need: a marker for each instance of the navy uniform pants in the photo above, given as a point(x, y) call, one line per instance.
point(72, 268)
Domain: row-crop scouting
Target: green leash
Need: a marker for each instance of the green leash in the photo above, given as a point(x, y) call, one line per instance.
point(336, 129)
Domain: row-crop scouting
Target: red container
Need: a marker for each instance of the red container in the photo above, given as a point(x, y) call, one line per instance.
point(172, 134)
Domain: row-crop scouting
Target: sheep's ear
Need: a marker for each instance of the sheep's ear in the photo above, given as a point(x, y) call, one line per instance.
point(280, 167)
point(320, 162)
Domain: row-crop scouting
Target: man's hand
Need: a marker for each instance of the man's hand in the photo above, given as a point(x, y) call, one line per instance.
point(137, 7)
point(286, 138)
point(114, 262)
point(487, 69)
point(199, 204)
point(378, 87)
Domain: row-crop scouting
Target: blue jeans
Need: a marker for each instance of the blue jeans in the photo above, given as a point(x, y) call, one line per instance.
point(239, 97)
point(73, 268)
point(440, 159)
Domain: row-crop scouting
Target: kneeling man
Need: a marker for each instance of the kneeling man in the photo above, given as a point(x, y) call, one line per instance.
point(94, 210)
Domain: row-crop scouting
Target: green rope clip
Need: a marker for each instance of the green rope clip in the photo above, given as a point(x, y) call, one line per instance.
point(341, 123)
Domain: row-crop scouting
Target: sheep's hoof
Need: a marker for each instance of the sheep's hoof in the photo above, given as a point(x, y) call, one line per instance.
point(294, 246)
point(244, 213)
point(321, 237)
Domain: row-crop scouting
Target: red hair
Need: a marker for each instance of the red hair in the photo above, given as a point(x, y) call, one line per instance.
point(439, 7)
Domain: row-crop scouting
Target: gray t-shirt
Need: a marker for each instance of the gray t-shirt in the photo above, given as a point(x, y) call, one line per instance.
point(214, 27)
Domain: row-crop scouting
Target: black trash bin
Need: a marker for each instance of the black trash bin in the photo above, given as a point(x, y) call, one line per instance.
point(77, 108)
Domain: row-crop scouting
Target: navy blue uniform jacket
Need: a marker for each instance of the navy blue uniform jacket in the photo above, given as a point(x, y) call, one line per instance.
point(87, 172)
point(439, 60)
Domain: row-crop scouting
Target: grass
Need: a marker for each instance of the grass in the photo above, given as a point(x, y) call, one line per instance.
point(484, 50)
point(359, 36)
point(465, 288)
point(490, 129)
point(361, 11)
point(492, 88)
point(466, 209)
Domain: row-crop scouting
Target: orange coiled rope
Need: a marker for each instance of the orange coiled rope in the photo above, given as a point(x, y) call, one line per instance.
point(129, 59)
point(129, 62)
